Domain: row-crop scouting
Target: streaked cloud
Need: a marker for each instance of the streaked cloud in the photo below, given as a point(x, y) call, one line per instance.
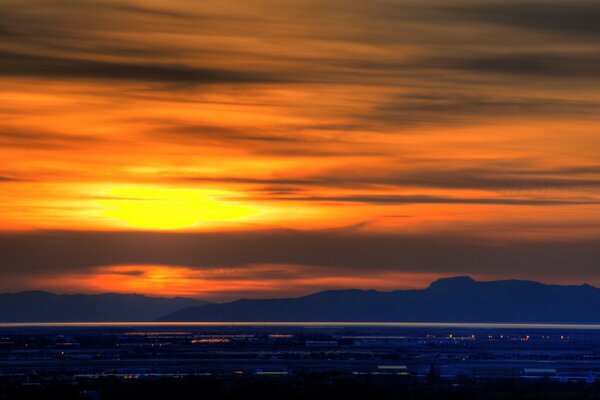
point(574, 18)
point(451, 136)
point(281, 255)
point(18, 65)
point(416, 199)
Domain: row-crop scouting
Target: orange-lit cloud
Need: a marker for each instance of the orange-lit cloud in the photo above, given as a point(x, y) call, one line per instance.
point(228, 283)
point(458, 118)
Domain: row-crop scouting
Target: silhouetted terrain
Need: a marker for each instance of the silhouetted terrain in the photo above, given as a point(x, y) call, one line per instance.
point(36, 306)
point(459, 299)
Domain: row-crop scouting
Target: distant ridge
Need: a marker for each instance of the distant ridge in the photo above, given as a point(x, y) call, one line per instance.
point(457, 299)
point(38, 306)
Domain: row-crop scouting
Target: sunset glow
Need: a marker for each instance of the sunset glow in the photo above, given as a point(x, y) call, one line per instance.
point(226, 283)
point(149, 208)
point(272, 137)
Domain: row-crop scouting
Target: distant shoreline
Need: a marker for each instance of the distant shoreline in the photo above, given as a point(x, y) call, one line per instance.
point(305, 324)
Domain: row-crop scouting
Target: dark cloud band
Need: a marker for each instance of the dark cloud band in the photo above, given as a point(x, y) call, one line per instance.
point(68, 251)
point(16, 64)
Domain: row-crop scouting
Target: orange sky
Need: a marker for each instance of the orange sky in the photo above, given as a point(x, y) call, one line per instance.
point(453, 119)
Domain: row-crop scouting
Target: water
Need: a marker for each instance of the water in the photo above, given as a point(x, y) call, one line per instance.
point(303, 324)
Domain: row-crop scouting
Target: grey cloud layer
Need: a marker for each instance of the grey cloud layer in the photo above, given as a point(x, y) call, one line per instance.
point(423, 199)
point(14, 64)
point(88, 30)
point(579, 18)
point(493, 177)
point(442, 63)
point(53, 252)
point(566, 64)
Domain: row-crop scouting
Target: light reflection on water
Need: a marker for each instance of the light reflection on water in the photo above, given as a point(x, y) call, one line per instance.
point(305, 324)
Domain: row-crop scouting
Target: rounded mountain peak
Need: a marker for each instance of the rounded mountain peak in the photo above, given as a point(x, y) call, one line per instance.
point(453, 282)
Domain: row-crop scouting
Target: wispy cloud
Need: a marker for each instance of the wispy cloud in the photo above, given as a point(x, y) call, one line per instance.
point(577, 18)
point(478, 119)
point(15, 64)
point(424, 199)
point(57, 253)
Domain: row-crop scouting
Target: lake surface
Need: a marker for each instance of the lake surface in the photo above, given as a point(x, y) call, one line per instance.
point(306, 324)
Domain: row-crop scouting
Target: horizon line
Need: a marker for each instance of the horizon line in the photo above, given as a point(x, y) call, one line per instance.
point(296, 296)
point(324, 324)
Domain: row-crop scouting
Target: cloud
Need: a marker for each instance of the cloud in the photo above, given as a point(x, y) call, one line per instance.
point(425, 199)
point(15, 136)
point(294, 101)
point(67, 24)
point(144, 10)
point(17, 64)
point(63, 251)
point(562, 64)
point(223, 134)
point(574, 18)
point(460, 108)
point(483, 177)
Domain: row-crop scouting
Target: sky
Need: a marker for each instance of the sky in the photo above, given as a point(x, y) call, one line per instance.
point(272, 148)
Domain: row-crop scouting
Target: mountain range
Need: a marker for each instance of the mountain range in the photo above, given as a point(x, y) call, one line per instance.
point(38, 306)
point(458, 299)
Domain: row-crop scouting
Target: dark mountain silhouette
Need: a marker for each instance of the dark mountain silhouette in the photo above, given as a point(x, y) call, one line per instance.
point(36, 306)
point(459, 299)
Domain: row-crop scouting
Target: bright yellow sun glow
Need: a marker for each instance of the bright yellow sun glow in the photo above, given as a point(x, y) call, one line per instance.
point(159, 208)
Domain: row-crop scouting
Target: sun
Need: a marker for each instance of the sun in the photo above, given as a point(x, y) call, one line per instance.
point(170, 208)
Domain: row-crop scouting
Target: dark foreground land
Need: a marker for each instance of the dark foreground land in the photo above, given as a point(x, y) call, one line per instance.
point(303, 387)
point(298, 362)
